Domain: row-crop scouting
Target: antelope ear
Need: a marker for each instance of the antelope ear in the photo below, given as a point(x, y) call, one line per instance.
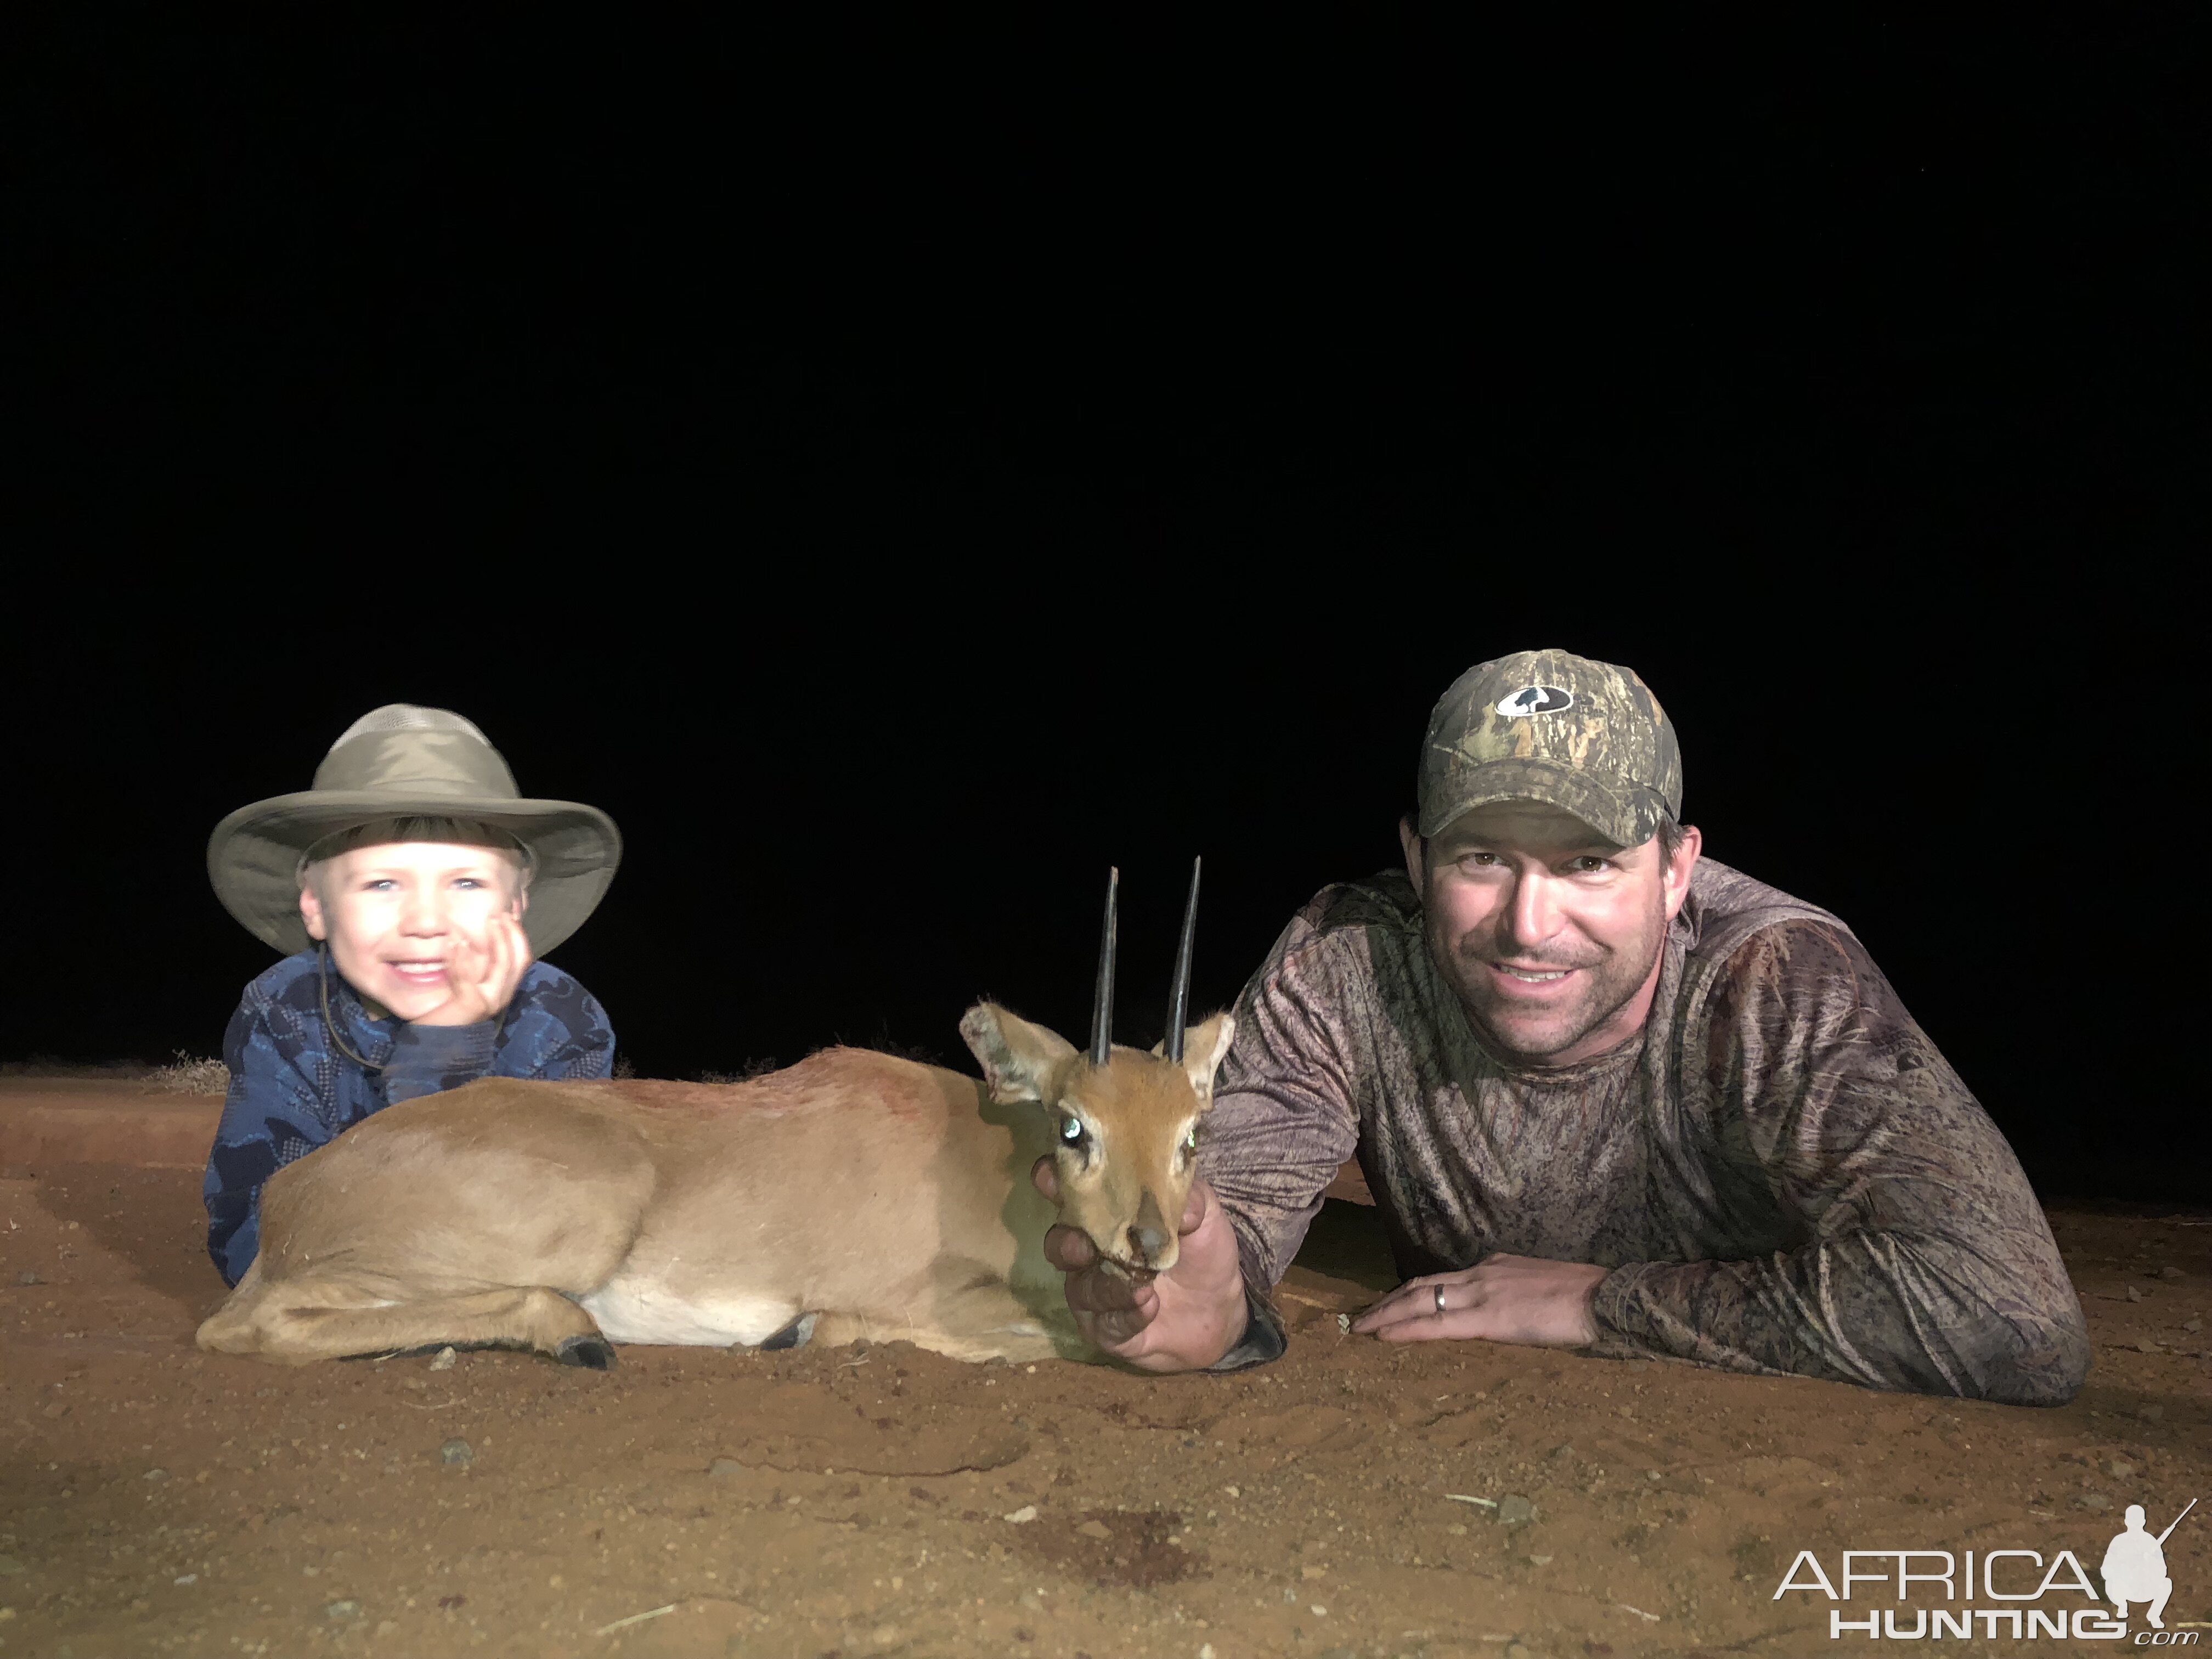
point(1204, 1047)
point(1019, 1059)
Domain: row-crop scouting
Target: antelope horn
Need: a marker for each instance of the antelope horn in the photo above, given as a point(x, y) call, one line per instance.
point(1179, 996)
point(1101, 1000)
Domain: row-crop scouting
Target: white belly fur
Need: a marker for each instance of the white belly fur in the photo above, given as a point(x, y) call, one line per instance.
point(638, 1310)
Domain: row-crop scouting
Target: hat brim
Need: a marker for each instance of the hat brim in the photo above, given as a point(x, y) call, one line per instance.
point(253, 856)
point(1627, 816)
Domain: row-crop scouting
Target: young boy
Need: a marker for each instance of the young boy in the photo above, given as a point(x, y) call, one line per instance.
point(414, 870)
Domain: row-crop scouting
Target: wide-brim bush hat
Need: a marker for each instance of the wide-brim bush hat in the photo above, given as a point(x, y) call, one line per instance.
point(401, 760)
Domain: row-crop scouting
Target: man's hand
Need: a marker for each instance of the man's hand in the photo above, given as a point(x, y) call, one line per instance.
point(1182, 1320)
point(1501, 1298)
point(481, 978)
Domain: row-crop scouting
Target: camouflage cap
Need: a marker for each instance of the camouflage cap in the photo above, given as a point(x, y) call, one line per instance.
point(1586, 737)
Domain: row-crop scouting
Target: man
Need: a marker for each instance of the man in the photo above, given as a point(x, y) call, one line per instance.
point(415, 871)
point(2134, 1569)
point(1608, 1095)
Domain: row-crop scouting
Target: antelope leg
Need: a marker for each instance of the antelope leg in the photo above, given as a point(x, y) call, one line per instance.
point(980, 1319)
point(298, 1319)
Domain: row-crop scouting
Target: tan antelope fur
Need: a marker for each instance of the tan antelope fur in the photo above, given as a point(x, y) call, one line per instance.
point(852, 1196)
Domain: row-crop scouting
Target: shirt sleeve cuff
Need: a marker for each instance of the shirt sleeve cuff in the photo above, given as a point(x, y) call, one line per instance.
point(1264, 1338)
point(427, 1060)
point(1621, 1334)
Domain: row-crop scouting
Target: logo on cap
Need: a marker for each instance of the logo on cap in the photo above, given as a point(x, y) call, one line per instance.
point(1536, 700)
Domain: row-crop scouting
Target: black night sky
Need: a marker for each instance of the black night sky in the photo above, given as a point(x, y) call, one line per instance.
point(897, 477)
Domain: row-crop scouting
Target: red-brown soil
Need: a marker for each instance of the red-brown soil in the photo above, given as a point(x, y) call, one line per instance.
point(156, 1500)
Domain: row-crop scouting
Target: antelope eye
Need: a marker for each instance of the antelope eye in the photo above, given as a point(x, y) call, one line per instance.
point(1190, 1140)
point(1071, 1129)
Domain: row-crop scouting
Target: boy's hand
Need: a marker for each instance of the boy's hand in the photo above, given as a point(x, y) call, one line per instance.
point(481, 978)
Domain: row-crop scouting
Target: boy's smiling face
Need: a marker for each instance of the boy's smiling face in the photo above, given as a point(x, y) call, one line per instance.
point(406, 920)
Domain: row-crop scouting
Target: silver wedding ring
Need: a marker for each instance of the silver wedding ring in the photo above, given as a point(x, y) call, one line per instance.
point(1439, 1290)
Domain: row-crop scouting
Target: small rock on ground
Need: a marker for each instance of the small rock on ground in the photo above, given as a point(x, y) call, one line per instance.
point(457, 1453)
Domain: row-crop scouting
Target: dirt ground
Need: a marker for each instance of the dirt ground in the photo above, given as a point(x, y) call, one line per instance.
point(154, 1500)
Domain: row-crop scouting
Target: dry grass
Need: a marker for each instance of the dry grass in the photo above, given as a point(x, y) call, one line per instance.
point(185, 1076)
point(41, 1066)
point(182, 1076)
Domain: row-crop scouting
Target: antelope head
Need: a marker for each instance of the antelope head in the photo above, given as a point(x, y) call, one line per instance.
point(1126, 1123)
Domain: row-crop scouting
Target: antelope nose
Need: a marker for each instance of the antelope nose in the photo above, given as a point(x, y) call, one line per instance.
point(1148, 1233)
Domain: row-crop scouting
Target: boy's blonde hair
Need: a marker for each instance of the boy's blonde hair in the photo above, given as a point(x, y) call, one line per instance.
point(382, 832)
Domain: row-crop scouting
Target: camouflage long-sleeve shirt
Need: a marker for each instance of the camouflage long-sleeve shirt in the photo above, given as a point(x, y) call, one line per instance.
point(1782, 1171)
point(291, 1090)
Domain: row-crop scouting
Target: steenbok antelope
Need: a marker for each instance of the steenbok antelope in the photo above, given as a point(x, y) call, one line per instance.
point(854, 1195)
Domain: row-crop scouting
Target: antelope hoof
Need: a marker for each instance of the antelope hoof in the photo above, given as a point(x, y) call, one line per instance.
point(594, 1352)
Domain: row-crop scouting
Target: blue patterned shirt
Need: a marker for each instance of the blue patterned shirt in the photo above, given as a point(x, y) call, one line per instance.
point(292, 1089)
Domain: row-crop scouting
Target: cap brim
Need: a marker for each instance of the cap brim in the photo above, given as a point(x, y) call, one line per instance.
point(253, 856)
point(1628, 815)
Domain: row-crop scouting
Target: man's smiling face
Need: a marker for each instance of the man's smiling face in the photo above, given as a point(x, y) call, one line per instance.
point(394, 914)
point(1550, 933)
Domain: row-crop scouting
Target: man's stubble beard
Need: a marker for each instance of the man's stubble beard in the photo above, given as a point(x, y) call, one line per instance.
point(1611, 982)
